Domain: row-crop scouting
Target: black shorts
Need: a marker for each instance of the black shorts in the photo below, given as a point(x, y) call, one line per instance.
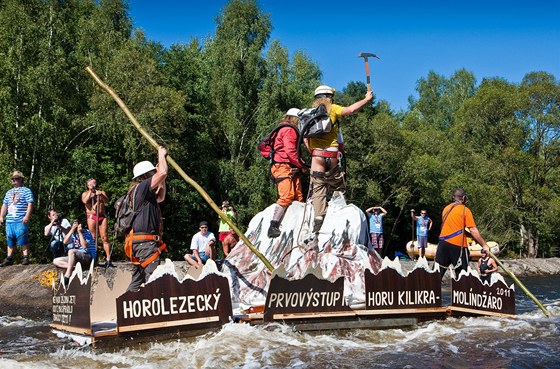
point(449, 254)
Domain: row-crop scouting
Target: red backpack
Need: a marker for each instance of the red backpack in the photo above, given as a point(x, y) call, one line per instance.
point(266, 146)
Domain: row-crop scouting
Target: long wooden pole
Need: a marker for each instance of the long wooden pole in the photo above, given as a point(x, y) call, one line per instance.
point(179, 170)
point(523, 288)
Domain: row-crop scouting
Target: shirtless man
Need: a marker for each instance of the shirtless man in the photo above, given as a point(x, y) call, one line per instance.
point(95, 201)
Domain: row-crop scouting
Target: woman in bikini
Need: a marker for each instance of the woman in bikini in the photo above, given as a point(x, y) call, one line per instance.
point(95, 200)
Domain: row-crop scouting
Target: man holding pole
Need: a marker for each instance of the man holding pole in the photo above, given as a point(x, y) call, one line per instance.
point(452, 248)
point(148, 191)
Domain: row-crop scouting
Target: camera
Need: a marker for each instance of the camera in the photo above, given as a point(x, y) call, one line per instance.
point(59, 218)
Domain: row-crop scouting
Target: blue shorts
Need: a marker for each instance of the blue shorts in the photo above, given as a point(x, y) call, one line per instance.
point(17, 234)
point(202, 255)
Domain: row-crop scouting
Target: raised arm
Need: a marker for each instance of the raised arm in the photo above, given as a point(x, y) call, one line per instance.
point(158, 179)
point(358, 105)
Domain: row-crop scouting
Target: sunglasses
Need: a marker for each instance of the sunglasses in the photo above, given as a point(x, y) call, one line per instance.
point(204, 227)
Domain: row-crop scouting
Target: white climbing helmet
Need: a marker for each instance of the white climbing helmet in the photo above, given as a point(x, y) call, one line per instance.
point(142, 168)
point(293, 112)
point(324, 90)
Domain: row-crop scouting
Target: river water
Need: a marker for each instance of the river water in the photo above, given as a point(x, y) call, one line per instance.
point(529, 341)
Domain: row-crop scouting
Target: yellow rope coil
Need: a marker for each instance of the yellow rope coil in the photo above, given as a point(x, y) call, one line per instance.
point(46, 278)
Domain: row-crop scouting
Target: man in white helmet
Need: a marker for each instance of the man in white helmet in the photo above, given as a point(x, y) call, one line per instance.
point(326, 151)
point(285, 168)
point(148, 187)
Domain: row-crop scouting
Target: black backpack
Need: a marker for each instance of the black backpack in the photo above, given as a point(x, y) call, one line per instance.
point(125, 214)
point(314, 122)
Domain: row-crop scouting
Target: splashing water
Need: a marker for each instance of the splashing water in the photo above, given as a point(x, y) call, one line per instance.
point(530, 340)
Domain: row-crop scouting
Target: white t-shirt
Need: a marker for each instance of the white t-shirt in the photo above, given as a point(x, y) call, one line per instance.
point(59, 235)
point(199, 241)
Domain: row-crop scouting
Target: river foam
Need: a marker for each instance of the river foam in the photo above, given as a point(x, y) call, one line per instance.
point(529, 340)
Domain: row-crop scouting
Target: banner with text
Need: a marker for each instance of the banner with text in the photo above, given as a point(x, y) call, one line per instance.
point(469, 292)
point(390, 290)
point(71, 307)
point(166, 300)
point(307, 295)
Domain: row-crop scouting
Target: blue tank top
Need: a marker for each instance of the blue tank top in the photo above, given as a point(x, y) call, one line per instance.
point(376, 223)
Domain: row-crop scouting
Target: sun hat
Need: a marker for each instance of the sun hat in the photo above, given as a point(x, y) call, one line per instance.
point(17, 174)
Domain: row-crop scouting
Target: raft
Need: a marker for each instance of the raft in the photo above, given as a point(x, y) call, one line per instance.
point(334, 282)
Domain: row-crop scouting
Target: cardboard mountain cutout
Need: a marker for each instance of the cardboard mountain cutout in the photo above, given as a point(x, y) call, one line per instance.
point(338, 251)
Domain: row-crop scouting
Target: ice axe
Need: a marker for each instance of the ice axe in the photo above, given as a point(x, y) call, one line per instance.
point(366, 56)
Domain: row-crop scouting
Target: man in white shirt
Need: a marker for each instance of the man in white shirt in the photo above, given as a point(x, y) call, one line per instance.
point(57, 230)
point(202, 246)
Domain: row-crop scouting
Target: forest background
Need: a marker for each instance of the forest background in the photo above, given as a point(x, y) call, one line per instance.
point(212, 100)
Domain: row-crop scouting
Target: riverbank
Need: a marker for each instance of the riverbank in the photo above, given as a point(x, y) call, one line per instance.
point(25, 290)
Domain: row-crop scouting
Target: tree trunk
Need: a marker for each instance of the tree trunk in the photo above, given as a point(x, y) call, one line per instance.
point(529, 239)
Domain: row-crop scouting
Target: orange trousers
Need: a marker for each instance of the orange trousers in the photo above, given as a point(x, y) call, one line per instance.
point(289, 189)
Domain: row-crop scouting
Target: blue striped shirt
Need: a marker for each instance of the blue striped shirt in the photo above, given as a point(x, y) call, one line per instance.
point(16, 200)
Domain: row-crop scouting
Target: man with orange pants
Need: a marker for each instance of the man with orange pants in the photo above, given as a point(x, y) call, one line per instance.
point(285, 169)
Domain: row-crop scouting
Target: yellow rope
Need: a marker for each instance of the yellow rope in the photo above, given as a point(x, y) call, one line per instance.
point(45, 278)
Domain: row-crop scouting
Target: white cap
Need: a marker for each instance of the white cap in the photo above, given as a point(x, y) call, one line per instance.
point(293, 112)
point(324, 90)
point(142, 168)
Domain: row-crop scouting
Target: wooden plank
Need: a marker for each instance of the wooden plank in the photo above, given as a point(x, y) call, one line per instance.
point(441, 310)
point(173, 323)
point(68, 328)
point(314, 315)
point(480, 312)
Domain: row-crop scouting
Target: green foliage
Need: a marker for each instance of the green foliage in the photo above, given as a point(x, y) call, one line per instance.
point(211, 101)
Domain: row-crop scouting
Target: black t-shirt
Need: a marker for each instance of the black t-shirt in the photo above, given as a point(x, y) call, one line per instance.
point(149, 217)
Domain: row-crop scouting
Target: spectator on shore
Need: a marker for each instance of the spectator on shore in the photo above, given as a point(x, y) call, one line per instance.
point(224, 230)
point(81, 249)
point(17, 208)
point(375, 215)
point(57, 230)
point(94, 201)
point(202, 246)
point(423, 225)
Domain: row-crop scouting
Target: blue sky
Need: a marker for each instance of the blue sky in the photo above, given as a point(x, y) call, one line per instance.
point(504, 39)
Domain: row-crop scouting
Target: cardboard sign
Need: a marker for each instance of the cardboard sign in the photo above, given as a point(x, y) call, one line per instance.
point(71, 307)
point(309, 295)
point(166, 302)
point(390, 290)
point(470, 293)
